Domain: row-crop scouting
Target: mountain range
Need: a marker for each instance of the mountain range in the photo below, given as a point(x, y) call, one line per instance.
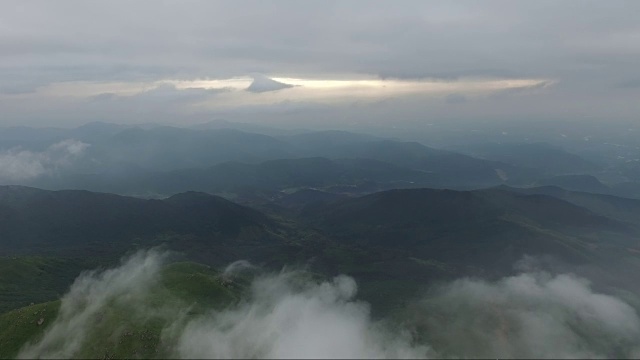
point(397, 216)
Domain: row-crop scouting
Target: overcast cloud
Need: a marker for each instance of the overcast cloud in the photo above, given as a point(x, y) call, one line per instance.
point(578, 58)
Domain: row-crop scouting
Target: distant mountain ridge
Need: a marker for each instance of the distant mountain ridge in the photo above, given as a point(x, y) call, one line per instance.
point(394, 241)
point(433, 223)
point(114, 150)
point(549, 159)
point(75, 221)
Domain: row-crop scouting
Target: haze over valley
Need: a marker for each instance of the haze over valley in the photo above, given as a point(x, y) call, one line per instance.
point(319, 179)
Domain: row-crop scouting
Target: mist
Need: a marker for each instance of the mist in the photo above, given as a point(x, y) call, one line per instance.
point(286, 319)
point(18, 164)
point(534, 315)
point(90, 296)
point(294, 314)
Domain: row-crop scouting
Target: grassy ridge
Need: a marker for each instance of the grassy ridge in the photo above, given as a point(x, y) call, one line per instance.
point(36, 279)
point(19, 326)
point(120, 330)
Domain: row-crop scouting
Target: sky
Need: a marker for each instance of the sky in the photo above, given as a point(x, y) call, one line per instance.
point(66, 63)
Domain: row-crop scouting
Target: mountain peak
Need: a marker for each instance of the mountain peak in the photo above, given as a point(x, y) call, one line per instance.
point(263, 83)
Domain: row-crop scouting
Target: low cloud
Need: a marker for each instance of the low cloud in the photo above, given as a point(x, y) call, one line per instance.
point(85, 306)
point(287, 318)
point(18, 164)
point(293, 314)
point(531, 315)
point(160, 95)
point(238, 267)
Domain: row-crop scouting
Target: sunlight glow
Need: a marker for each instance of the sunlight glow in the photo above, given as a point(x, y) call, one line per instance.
point(323, 91)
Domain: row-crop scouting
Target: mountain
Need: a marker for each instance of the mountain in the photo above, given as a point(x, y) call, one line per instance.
point(439, 224)
point(168, 148)
point(242, 179)
point(48, 237)
point(611, 206)
point(548, 159)
point(96, 131)
point(318, 142)
point(585, 183)
point(630, 189)
point(306, 197)
point(35, 279)
point(217, 124)
point(75, 223)
point(448, 167)
point(116, 158)
point(263, 83)
point(485, 228)
point(197, 149)
point(30, 138)
point(119, 330)
point(379, 165)
point(394, 243)
point(392, 232)
point(591, 184)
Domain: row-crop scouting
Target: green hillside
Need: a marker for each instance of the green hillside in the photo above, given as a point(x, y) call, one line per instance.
point(22, 325)
point(119, 330)
point(394, 243)
point(484, 228)
point(35, 279)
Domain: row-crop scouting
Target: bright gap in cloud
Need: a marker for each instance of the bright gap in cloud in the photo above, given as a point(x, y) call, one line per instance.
point(337, 91)
point(329, 91)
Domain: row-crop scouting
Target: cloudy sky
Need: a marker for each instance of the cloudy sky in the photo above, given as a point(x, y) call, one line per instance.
point(65, 63)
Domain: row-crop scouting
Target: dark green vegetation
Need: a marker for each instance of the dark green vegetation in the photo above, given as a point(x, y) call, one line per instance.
point(116, 330)
point(34, 279)
point(614, 207)
point(401, 238)
point(486, 229)
point(20, 326)
point(380, 210)
point(78, 223)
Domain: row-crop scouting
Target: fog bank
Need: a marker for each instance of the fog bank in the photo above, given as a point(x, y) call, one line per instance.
point(292, 314)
